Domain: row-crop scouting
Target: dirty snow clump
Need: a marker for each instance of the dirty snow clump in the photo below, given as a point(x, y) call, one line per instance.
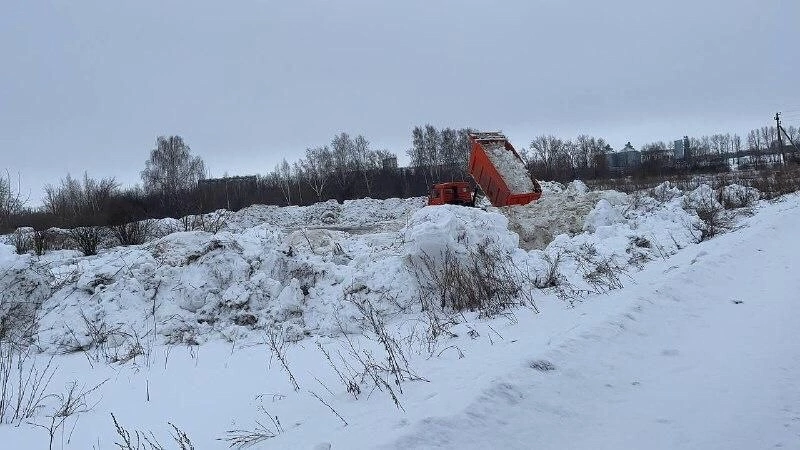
point(551, 187)
point(564, 212)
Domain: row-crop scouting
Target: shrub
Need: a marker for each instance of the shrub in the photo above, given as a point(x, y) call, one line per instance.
point(132, 233)
point(713, 219)
point(23, 383)
point(21, 240)
point(485, 280)
point(24, 285)
point(86, 239)
point(735, 196)
point(552, 275)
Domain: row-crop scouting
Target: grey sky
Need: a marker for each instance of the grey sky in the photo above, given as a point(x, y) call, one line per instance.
point(88, 85)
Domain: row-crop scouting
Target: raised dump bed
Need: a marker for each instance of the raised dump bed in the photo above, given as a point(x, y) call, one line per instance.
point(500, 172)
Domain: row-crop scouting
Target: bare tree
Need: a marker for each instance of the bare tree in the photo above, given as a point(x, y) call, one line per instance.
point(171, 169)
point(792, 133)
point(736, 146)
point(432, 149)
point(547, 149)
point(417, 151)
point(283, 175)
point(298, 173)
point(11, 201)
point(768, 136)
point(583, 153)
point(79, 202)
point(364, 161)
point(342, 153)
point(449, 151)
point(462, 150)
point(317, 168)
point(754, 141)
point(654, 146)
point(717, 144)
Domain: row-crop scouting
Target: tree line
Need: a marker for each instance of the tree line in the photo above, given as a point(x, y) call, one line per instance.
point(175, 182)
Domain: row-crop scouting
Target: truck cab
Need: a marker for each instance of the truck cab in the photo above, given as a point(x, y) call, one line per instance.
point(452, 193)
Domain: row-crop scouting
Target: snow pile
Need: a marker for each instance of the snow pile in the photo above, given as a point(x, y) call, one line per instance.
point(367, 212)
point(513, 171)
point(665, 191)
point(555, 213)
point(685, 327)
point(194, 286)
point(577, 187)
point(283, 216)
point(551, 187)
point(24, 285)
point(603, 214)
point(190, 287)
point(228, 290)
point(701, 198)
point(436, 231)
point(622, 232)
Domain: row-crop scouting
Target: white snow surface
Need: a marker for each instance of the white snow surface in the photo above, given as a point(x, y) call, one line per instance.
point(513, 171)
point(686, 355)
point(350, 215)
point(435, 231)
point(602, 215)
point(691, 356)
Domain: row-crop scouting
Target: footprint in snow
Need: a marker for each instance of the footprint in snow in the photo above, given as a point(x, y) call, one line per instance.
point(542, 365)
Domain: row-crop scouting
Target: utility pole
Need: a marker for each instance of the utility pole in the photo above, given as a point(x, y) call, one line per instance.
point(780, 140)
point(791, 141)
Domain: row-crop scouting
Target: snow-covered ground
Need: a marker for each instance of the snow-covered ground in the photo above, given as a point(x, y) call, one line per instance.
point(699, 352)
point(695, 351)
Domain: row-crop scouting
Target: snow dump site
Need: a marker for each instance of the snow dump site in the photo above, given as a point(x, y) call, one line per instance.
point(596, 320)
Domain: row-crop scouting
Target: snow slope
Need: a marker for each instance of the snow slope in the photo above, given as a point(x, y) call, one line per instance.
point(669, 361)
point(703, 356)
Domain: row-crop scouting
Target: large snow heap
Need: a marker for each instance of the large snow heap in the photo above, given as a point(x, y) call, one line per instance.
point(295, 267)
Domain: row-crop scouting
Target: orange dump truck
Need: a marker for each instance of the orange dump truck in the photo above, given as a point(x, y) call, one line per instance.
point(500, 172)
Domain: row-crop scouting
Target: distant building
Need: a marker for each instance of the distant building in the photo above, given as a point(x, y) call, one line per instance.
point(627, 158)
point(681, 149)
point(657, 156)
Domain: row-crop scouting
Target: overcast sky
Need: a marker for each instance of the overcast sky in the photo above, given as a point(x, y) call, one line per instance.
point(88, 85)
